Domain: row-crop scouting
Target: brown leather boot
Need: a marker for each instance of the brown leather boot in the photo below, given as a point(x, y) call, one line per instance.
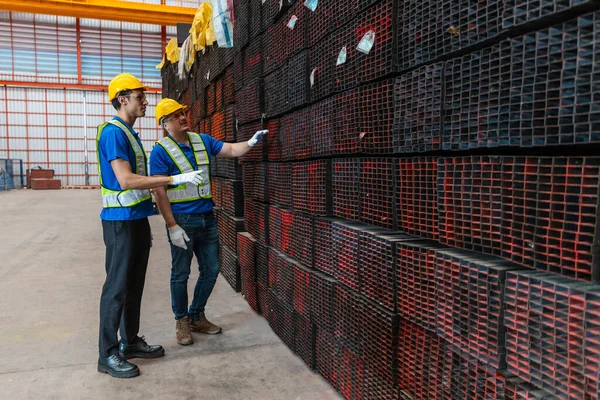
point(182, 330)
point(205, 326)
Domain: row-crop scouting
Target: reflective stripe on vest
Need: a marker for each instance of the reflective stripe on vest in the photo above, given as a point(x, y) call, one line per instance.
point(130, 197)
point(187, 192)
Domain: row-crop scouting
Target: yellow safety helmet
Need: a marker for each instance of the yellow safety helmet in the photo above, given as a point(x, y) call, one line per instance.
point(166, 107)
point(123, 82)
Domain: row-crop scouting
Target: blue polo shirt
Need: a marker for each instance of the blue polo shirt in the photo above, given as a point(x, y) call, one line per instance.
point(114, 144)
point(162, 164)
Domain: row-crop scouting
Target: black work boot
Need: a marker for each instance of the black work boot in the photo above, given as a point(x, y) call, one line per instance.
point(140, 349)
point(117, 367)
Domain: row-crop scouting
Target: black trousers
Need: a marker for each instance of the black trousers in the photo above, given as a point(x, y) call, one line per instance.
point(127, 250)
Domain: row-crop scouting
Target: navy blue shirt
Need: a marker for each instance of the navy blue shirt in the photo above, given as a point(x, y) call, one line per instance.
point(114, 144)
point(162, 164)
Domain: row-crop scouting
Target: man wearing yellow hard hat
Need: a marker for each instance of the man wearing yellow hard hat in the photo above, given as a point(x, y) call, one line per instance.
point(127, 204)
point(188, 213)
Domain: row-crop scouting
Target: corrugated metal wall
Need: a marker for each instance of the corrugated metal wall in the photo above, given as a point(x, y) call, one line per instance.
point(47, 126)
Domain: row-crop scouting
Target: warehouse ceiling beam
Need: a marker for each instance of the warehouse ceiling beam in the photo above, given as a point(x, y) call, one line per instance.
point(115, 10)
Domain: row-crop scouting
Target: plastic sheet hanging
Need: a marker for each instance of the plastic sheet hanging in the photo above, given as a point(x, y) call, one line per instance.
point(186, 58)
point(223, 22)
point(202, 31)
point(173, 51)
point(161, 64)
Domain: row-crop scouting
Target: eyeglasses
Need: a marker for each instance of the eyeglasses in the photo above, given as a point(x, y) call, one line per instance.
point(139, 97)
point(176, 115)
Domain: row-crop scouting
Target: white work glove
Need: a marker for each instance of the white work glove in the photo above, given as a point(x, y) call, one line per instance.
point(257, 138)
point(190, 177)
point(178, 236)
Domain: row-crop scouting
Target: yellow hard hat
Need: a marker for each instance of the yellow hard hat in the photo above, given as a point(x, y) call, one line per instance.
point(123, 82)
point(166, 107)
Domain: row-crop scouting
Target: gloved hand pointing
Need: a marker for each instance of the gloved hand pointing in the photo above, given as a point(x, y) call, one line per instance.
point(257, 138)
point(190, 177)
point(178, 236)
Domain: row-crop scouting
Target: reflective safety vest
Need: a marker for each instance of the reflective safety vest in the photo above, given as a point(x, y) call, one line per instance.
point(124, 198)
point(186, 191)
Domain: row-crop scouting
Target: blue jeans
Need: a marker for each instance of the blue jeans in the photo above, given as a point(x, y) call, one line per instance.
point(204, 243)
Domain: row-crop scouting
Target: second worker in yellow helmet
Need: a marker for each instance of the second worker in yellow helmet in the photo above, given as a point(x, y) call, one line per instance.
point(188, 213)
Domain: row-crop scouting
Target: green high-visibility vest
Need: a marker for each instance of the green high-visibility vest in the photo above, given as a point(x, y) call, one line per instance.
point(186, 191)
point(124, 198)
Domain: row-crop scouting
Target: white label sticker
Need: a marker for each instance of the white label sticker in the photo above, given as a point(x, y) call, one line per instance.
point(280, 4)
point(292, 22)
point(311, 4)
point(341, 57)
point(312, 77)
point(208, 75)
point(367, 42)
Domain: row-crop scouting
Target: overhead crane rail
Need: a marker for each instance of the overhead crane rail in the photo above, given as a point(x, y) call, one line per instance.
point(115, 10)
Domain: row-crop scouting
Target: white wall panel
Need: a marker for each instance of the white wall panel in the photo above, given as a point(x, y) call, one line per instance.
point(17, 105)
point(56, 145)
point(77, 169)
point(92, 145)
point(36, 94)
point(16, 144)
point(37, 144)
point(57, 121)
point(36, 132)
point(36, 119)
point(36, 106)
point(56, 131)
point(37, 158)
point(19, 155)
point(17, 119)
point(60, 144)
point(76, 132)
point(60, 169)
point(58, 157)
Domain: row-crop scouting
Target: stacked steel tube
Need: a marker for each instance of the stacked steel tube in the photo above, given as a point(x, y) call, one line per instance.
point(422, 218)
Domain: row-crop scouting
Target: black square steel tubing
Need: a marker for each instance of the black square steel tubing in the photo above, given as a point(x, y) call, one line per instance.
point(348, 318)
point(346, 184)
point(322, 118)
point(229, 226)
point(303, 242)
point(302, 279)
point(377, 191)
point(306, 340)
point(380, 339)
point(281, 276)
point(416, 264)
point(322, 289)
point(470, 304)
point(345, 244)
point(377, 264)
point(417, 110)
point(325, 260)
point(229, 267)
point(377, 100)
point(519, 12)
point(256, 220)
point(262, 263)
point(416, 196)
point(281, 318)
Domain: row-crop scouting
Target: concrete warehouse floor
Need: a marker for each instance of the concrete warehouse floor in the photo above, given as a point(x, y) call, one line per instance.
point(51, 273)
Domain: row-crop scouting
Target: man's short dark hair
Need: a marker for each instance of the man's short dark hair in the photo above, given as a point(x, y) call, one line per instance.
point(116, 103)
